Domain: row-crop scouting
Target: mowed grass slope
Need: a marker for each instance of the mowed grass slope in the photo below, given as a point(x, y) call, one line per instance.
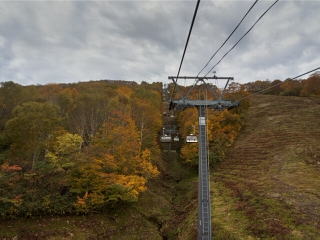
point(269, 185)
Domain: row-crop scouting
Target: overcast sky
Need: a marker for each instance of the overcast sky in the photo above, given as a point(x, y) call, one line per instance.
point(69, 41)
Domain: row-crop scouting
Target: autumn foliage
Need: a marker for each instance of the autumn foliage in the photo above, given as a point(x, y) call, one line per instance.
point(223, 128)
point(302, 87)
point(76, 148)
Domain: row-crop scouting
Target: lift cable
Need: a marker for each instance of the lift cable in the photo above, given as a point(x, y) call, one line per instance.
point(241, 38)
point(237, 26)
point(185, 48)
point(313, 70)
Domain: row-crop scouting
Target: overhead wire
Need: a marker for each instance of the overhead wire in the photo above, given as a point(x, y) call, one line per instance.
point(185, 48)
point(261, 16)
point(237, 26)
point(265, 89)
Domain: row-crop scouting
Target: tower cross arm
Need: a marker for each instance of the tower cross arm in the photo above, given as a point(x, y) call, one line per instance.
point(213, 104)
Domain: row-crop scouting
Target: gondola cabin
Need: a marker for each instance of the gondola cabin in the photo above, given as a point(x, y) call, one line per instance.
point(165, 138)
point(176, 139)
point(191, 139)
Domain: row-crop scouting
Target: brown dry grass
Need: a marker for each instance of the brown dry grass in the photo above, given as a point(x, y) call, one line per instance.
point(273, 170)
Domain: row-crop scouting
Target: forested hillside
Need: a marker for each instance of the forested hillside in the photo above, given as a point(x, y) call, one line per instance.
point(299, 87)
point(75, 148)
point(91, 149)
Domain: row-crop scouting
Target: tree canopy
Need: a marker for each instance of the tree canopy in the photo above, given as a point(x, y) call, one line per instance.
point(75, 148)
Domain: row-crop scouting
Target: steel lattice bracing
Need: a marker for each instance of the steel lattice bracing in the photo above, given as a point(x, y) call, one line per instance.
point(204, 223)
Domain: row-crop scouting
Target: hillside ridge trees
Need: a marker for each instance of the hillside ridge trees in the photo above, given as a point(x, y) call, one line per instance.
point(76, 148)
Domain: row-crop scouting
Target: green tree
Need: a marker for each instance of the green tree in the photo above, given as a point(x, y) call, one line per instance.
point(63, 149)
point(29, 130)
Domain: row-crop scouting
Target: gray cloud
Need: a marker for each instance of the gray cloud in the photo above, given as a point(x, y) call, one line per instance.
point(53, 41)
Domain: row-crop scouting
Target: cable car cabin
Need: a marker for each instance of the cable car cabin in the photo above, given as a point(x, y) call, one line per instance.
point(191, 139)
point(165, 138)
point(176, 139)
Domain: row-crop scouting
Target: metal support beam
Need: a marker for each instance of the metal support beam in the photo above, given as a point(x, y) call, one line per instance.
point(197, 79)
point(204, 207)
point(213, 104)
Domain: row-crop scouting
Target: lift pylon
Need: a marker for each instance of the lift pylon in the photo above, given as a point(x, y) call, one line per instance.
point(204, 203)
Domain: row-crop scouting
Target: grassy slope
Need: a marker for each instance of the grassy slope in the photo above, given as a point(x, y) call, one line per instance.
point(269, 186)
